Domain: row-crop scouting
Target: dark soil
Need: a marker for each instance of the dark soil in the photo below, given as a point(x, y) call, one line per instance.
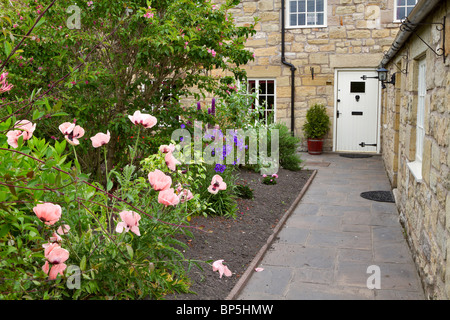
point(237, 241)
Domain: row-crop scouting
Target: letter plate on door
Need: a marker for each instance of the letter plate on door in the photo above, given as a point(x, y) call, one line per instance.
point(357, 113)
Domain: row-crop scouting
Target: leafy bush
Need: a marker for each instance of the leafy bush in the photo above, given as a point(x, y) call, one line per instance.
point(317, 122)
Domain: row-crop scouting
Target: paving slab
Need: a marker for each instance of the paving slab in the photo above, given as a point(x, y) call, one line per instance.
point(336, 245)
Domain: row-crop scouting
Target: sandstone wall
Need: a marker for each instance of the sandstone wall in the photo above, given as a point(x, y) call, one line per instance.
point(358, 32)
point(424, 205)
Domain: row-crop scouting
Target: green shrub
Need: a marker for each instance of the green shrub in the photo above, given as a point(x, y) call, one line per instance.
point(317, 122)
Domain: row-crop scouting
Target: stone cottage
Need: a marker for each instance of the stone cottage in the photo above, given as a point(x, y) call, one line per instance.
point(415, 138)
point(317, 51)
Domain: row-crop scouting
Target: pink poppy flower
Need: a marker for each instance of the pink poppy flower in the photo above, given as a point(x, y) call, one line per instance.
point(275, 175)
point(185, 195)
point(159, 180)
point(167, 148)
point(100, 139)
point(13, 138)
point(130, 221)
point(48, 213)
point(168, 197)
point(144, 119)
point(223, 270)
point(171, 161)
point(4, 86)
point(66, 127)
point(56, 256)
point(62, 230)
point(25, 130)
point(73, 136)
point(217, 184)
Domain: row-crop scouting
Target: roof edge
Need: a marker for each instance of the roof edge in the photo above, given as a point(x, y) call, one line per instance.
point(421, 11)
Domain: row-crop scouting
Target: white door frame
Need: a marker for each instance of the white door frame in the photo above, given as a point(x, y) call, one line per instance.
point(336, 71)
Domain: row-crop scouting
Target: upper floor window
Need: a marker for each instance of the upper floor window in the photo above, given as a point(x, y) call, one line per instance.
point(307, 13)
point(403, 8)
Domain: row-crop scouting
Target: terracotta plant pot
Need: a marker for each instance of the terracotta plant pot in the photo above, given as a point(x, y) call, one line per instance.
point(315, 146)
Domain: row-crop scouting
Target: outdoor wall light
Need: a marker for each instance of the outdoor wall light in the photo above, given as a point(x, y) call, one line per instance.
point(382, 76)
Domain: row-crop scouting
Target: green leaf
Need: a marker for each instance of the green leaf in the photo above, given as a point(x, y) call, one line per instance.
point(8, 48)
point(37, 114)
point(4, 230)
point(130, 251)
point(83, 263)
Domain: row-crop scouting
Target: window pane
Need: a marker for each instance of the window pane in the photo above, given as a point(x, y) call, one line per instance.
point(301, 19)
point(320, 19)
point(319, 5)
point(293, 6)
point(270, 87)
point(311, 18)
point(301, 6)
point(357, 87)
point(293, 21)
point(400, 2)
point(270, 102)
point(262, 87)
point(311, 6)
point(401, 13)
point(412, 2)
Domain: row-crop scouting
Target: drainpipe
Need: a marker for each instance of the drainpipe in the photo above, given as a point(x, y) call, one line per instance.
point(292, 67)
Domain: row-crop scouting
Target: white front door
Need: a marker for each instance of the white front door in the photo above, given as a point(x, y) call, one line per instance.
point(356, 111)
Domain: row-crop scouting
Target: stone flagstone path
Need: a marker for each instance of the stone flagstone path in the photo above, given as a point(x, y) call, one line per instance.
point(333, 236)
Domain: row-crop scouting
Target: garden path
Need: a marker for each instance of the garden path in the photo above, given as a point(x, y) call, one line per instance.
point(337, 245)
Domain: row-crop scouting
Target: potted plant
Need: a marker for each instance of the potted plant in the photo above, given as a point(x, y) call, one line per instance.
point(316, 127)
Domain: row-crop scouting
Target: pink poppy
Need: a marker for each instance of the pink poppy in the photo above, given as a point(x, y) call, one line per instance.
point(4, 86)
point(171, 161)
point(217, 184)
point(168, 197)
point(223, 270)
point(56, 256)
point(26, 129)
point(47, 212)
point(13, 138)
point(159, 180)
point(144, 119)
point(275, 175)
point(167, 148)
point(62, 230)
point(185, 195)
point(130, 221)
point(73, 136)
point(100, 139)
point(66, 127)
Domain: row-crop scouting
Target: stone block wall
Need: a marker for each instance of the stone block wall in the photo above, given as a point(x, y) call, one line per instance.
point(424, 205)
point(357, 34)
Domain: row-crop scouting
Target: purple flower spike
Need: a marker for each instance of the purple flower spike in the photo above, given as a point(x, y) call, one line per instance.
point(199, 107)
point(213, 106)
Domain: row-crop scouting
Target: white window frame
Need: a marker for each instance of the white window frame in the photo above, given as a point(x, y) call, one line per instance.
point(288, 16)
point(274, 95)
point(396, 19)
point(416, 165)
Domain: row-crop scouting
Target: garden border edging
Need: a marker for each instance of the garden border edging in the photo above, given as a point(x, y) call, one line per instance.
point(257, 259)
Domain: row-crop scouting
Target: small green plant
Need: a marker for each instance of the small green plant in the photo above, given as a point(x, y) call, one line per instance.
point(243, 191)
point(272, 179)
point(317, 122)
